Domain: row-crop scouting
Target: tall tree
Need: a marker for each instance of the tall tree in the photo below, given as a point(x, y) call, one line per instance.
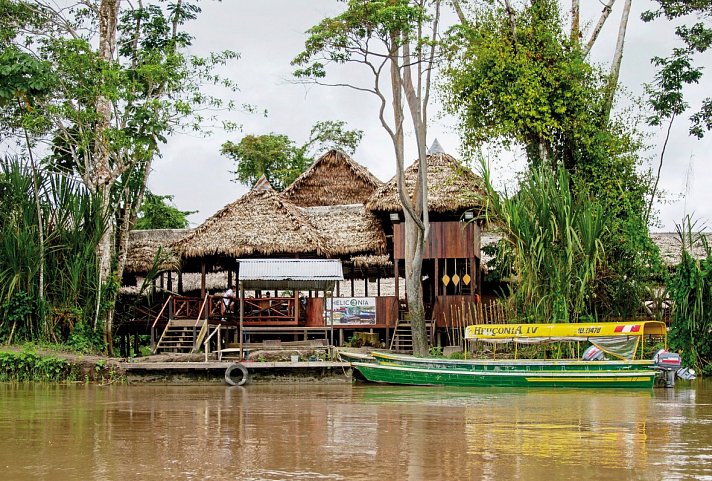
point(666, 94)
point(113, 104)
point(395, 41)
point(280, 160)
point(518, 78)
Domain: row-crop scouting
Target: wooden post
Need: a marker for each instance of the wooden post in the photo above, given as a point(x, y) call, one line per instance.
point(395, 274)
point(352, 269)
point(170, 280)
point(180, 282)
point(365, 286)
point(202, 279)
point(242, 314)
point(378, 284)
point(295, 308)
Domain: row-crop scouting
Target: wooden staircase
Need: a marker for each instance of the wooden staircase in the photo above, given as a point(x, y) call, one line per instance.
point(182, 336)
point(402, 340)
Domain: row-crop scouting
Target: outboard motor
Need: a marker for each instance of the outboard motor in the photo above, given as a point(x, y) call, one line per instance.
point(668, 363)
point(593, 353)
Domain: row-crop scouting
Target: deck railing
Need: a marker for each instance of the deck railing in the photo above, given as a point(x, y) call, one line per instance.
point(155, 322)
point(277, 310)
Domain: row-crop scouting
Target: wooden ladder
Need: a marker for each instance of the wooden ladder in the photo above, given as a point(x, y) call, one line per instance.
point(182, 336)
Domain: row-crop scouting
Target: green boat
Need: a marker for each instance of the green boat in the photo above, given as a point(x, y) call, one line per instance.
point(618, 340)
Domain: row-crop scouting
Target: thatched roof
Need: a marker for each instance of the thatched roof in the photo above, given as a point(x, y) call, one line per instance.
point(452, 187)
point(372, 261)
point(259, 223)
point(333, 179)
point(143, 246)
point(667, 242)
point(670, 246)
point(348, 229)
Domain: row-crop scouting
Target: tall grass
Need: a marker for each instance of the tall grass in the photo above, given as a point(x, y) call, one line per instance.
point(72, 227)
point(553, 240)
point(690, 289)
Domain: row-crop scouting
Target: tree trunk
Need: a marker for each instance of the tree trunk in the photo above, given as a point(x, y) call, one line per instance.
point(414, 285)
point(100, 178)
point(575, 21)
point(617, 60)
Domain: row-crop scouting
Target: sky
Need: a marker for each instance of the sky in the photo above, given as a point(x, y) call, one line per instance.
point(269, 33)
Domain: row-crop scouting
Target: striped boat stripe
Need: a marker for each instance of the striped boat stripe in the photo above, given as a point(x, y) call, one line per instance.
point(549, 375)
point(628, 328)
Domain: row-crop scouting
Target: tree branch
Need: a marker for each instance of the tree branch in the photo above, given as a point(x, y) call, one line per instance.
point(599, 25)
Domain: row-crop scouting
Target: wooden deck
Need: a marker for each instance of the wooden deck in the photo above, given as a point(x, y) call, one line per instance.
point(223, 365)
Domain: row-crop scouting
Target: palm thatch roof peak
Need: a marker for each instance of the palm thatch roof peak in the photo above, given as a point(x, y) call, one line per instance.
point(348, 229)
point(143, 246)
point(333, 179)
point(452, 186)
point(260, 222)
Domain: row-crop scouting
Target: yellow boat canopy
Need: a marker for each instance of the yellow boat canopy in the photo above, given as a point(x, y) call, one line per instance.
point(528, 333)
point(620, 339)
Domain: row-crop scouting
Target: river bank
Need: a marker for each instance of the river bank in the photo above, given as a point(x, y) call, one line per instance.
point(46, 365)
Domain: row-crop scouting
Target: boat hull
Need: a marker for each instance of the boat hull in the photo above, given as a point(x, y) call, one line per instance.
point(409, 370)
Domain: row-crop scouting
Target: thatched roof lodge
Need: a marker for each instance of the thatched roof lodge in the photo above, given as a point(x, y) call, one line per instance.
point(333, 179)
point(452, 187)
point(348, 229)
point(143, 246)
point(260, 223)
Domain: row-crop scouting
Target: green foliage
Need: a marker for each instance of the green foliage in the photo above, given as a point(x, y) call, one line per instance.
point(272, 155)
point(457, 355)
point(52, 82)
point(666, 95)
point(280, 160)
point(86, 340)
point(29, 366)
point(554, 239)
point(435, 351)
point(690, 289)
point(157, 213)
point(534, 89)
point(355, 341)
point(333, 39)
point(18, 311)
point(72, 227)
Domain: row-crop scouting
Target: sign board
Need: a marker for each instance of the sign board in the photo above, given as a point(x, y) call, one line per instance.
point(351, 311)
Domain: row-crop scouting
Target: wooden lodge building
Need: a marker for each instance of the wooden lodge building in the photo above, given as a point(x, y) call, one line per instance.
point(335, 210)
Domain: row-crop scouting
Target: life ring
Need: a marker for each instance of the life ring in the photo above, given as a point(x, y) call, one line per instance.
point(236, 381)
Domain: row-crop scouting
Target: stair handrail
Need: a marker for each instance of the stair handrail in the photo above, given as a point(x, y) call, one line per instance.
point(200, 335)
point(196, 339)
point(155, 322)
point(202, 307)
point(206, 342)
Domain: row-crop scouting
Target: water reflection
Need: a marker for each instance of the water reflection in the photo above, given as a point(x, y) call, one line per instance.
point(270, 432)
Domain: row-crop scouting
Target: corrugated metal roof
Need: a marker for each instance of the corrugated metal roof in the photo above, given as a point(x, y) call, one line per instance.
point(304, 274)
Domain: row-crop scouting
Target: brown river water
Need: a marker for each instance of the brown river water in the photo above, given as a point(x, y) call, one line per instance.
point(360, 432)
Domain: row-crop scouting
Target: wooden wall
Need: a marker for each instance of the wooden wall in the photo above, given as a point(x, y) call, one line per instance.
point(386, 313)
point(448, 240)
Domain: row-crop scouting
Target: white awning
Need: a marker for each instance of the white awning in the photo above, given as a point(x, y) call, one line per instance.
point(297, 274)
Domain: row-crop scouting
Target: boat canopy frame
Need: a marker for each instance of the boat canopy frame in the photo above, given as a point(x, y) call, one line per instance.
point(619, 339)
